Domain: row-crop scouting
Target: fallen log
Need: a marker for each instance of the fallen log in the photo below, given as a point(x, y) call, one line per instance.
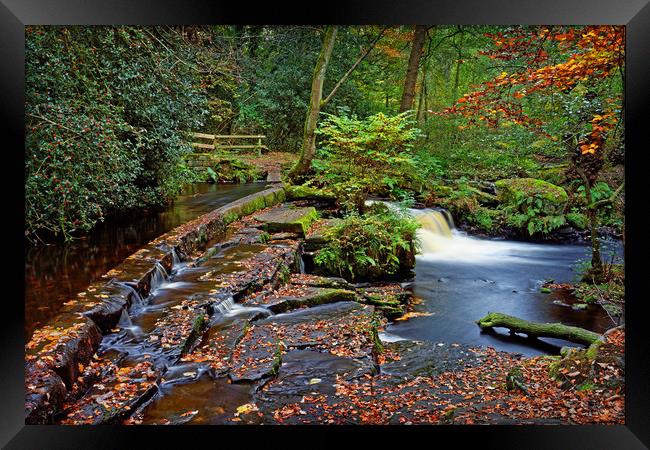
point(535, 330)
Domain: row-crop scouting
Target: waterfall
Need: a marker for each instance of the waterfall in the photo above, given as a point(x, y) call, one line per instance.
point(125, 320)
point(176, 259)
point(158, 277)
point(436, 231)
point(229, 308)
point(136, 298)
point(440, 241)
point(225, 306)
point(301, 264)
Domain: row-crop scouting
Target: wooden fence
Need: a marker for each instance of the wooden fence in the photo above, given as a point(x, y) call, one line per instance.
point(229, 141)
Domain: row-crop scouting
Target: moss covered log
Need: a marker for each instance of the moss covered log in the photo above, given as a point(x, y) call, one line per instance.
point(535, 330)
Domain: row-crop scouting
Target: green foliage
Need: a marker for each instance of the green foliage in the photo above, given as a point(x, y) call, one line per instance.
point(610, 289)
point(265, 237)
point(532, 205)
point(464, 203)
point(599, 191)
point(483, 218)
point(369, 246)
point(279, 62)
point(577, 220)
point(234, 170)
point(212, 174)
point(104, 109)
point(360, 157)
point(527, 212)
point(607, 214)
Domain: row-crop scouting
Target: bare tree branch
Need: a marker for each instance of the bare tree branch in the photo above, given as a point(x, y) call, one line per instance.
point(354, 66)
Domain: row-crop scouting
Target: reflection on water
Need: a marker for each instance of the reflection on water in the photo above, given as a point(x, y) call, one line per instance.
point(56, 273)
point(459, 279)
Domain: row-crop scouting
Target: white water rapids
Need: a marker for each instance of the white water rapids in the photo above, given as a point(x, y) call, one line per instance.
point(441, 241)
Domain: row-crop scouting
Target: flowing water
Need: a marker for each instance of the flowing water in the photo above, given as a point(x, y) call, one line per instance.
point(55, 273)
point(459, 279)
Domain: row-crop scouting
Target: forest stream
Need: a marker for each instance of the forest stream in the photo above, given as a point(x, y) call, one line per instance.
point(460, 278)
point(439, 241)
point(56, 272)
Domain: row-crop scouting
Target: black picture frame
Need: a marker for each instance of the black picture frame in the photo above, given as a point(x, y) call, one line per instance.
point(635, 14)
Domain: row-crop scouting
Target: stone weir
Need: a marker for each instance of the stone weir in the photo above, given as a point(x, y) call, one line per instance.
point(59, 354)
point(217, 323)
point(220, 301)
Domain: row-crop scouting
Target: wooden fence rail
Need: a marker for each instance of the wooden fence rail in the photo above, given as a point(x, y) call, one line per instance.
point(227, 141)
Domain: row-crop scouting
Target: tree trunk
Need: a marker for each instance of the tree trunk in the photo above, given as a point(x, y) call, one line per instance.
point(408, 94)
point(422, 103)
point(596, 258)
point(592, 215)
point(308, 149)
point(459, 49)
point(535, 330)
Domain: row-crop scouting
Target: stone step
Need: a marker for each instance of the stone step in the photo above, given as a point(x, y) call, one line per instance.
point(287, 219)
point(342, 329)
point(294, 296)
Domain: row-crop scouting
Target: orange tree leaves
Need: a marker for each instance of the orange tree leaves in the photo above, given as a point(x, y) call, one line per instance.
point(587, 54)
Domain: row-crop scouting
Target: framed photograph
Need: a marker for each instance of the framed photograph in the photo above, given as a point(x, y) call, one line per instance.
point(380, 218)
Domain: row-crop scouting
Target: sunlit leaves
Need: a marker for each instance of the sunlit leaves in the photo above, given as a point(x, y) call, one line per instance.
point(544, 59)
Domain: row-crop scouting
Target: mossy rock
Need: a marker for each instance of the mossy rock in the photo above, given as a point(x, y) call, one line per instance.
point(324, 282)
point(483, 197)
point(314, 297)
point(291, 220)
point(250, 204)
point(443, 191)
point(577, 220)
point(303, 192)
point(553, 174)
point(317, 236)
point(554, 198)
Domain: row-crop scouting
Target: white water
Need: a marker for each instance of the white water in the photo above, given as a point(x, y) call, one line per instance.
point(440, 241)
point(225, 306)
point(159, 276)
point(228, 308)
point(175, 258)
point(238, 309)
point(389, 337)
point(126, 324)
point(175, 285)
point(136, 298)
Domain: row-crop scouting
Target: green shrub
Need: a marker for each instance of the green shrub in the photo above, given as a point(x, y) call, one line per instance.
point(577, 220)
point(532, 205)
point(380, 243)
point(607, 214)
point(105, 109)
point(235, 170)
point(545, 196)
point(483, 218)
point(360, 157)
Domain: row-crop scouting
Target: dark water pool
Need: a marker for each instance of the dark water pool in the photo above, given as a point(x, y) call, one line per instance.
point(465, 278)
point(55, 273)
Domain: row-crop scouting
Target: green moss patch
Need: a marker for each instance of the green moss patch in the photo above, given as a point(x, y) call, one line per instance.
point(553, 198)
point(303, 192)
point(292, 220)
